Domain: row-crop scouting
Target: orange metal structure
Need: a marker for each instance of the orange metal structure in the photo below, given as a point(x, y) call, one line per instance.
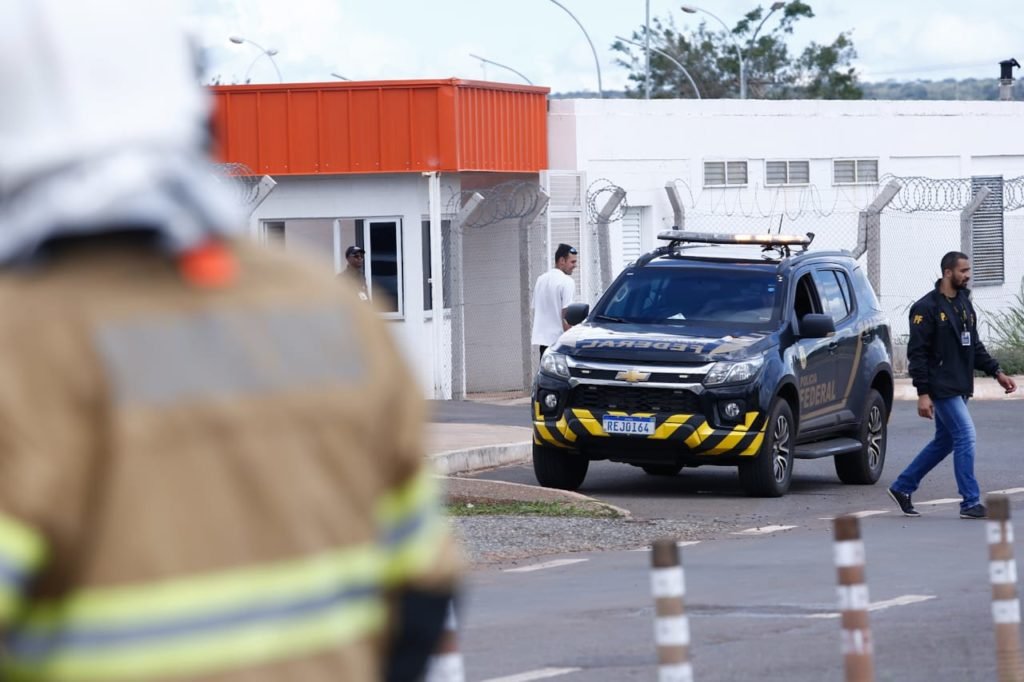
point(382, 127)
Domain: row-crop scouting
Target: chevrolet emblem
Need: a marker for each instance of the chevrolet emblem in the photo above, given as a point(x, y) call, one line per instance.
point(633, 376)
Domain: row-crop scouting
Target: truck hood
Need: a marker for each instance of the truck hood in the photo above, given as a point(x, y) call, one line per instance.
point(668, 344)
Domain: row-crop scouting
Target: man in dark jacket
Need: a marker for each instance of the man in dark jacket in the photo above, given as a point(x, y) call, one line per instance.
point(943, 352)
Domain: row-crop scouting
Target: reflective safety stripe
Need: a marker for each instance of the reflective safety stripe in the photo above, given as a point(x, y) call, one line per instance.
point(411, 527)
point(755, 445)
point(164, 360)
point(589, 422)
point(201, 623)
point(22, 551)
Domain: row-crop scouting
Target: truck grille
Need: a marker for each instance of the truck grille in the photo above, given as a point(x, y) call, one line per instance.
point(634, 399)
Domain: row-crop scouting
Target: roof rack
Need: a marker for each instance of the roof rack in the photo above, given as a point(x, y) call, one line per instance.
point(768, 242)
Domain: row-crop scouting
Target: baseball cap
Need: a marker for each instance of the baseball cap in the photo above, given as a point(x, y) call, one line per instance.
point(353, 250)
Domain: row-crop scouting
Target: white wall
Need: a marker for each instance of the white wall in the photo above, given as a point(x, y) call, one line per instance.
point(367, 196)
point(640, 145)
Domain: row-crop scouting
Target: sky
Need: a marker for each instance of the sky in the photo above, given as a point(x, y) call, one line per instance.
point(402, 39)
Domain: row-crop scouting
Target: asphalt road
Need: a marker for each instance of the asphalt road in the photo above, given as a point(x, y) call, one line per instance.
point(816, 491)
point(762, 597)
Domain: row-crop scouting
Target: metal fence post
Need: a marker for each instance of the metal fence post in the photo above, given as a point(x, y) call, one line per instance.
point(869, 234)
point(671, 626)
point(604, 239)
point(1002, 570)
point(678, 213)
point(966, 234)
point(526, 285)
point(458, 297)
point(857, 646)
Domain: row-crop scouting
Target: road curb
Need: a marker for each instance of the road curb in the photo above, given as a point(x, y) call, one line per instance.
point(483, 457)
point(473, 488)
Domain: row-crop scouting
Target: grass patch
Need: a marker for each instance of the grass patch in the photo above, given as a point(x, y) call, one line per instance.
point(513, 508)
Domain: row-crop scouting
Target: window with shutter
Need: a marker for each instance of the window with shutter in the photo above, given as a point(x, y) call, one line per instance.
point(787, 172)
point(736, 173)
point(799, 172)
point(855, 171)
point(775, 173)
point(725, 173)
point(987, 246)
point(714, 173)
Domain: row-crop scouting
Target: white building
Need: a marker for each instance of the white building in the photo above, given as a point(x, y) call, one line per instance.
point(350, 162)
point(801, 166)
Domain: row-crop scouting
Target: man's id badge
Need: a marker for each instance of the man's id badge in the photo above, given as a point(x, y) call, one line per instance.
point(965, 338)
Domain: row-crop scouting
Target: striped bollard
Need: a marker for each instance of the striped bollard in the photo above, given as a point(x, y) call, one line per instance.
point(1002, 571)
point(671, 626)
point(446, 664)
point(857, 647)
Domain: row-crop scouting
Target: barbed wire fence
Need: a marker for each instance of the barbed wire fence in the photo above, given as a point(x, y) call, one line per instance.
point(497, 241)
point(248, 189)
point(932, 216)
point(501, 246)
point(605, 203)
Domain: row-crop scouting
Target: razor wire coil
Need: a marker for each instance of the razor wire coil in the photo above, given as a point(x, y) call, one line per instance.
point(598, 194)
point(506, 201)
point(240, 179)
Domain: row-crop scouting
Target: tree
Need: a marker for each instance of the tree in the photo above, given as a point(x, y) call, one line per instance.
point(710, 57)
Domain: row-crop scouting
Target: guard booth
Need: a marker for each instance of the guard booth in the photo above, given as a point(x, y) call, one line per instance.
point(389, 166)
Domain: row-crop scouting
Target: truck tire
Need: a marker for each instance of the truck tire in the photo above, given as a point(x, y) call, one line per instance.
point(558, 468)
point(864, 467)
point(770, 472)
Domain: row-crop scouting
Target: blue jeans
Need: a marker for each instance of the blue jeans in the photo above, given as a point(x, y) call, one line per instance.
point(954, 431)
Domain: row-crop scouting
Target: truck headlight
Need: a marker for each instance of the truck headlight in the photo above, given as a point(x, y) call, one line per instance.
point(733, 372)
point(555, 363)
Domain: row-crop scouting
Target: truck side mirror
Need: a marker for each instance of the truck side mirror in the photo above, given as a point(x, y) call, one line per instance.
point(576, 313)
point(816, 326)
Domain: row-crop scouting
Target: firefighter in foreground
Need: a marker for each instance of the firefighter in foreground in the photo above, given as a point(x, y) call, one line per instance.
point(210, 463)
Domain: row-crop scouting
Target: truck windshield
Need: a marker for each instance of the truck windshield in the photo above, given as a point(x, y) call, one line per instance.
point(695, 296)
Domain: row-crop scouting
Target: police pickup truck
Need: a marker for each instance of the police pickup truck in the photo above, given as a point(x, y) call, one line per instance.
point(734, 350)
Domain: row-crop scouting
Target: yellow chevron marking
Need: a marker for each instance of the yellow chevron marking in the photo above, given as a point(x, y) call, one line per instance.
point(546, 434)
point(664, 431)
point(563, 428)
point(754, 446)
point(592, 426)
point(537, 441)
point(728, 443)
point(749, 421)
point(699, 435)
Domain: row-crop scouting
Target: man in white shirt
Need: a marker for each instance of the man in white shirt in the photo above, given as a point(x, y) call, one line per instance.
point(552, 294)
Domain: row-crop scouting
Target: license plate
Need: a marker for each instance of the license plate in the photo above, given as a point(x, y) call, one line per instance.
point(628, 426)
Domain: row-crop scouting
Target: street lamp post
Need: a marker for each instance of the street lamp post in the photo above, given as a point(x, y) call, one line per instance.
point(268, 53)
point(666, 55)
point(647, 51)
point(509, 68)
point(597, 62)
point(689, 9)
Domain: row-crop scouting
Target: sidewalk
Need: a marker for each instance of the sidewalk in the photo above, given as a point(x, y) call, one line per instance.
point(458, 448)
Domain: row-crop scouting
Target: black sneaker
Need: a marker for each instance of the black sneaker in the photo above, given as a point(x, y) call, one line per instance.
point(903, 500)
point(978, 511)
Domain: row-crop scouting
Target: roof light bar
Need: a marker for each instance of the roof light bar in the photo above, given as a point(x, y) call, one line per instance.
point(728, 238)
